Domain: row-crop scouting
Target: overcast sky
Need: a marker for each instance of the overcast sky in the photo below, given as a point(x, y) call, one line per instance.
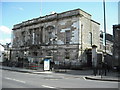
point(15, 12)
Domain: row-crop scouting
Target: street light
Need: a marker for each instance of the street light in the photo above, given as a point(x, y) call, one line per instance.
point(104, 53)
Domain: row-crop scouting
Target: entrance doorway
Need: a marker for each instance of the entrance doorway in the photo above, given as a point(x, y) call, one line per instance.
point(89, 57)
point(89, 60)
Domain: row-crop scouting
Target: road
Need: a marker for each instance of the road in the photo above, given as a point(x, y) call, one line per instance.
point(11, 79)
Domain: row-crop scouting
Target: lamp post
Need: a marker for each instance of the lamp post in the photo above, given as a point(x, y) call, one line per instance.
point(104, 41)
point(104, 53)
point(104, 24)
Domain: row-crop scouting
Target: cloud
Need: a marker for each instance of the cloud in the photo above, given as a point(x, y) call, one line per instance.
point(20, 8)
point(4, 29)
point(6, 40)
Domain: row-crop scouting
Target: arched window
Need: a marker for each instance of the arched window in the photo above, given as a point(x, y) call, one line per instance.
point(50, 29)
point(49, 33)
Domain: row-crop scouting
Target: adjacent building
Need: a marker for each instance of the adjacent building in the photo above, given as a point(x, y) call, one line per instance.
point(116, 46)
point(109, 47)
point(66, 36)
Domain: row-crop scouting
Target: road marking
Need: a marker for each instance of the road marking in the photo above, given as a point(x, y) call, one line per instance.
point(84, 78)
point(15, 80)
point(48, 86)
point(32, 74)
point(51, 79)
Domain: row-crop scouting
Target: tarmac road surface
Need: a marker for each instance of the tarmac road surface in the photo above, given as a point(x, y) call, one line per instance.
point(11, 79)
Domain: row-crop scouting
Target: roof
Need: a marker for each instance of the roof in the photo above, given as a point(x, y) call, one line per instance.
point(109, 37)
point(95, 22)
point(51, 17)
point(116, 26)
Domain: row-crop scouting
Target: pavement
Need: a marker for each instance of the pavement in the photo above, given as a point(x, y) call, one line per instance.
point(87, 74)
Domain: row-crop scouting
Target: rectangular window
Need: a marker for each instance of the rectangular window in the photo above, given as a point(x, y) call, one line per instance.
point(33, 37)
point(30, 36)
point(90, 38)
point(67, 55)
point(68, 36)
point(41, 35)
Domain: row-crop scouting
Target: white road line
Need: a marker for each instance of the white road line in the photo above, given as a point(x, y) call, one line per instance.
point(29, 74)
point(84, 78)
point(15, 80)
point(51, 79)
point(47, 86)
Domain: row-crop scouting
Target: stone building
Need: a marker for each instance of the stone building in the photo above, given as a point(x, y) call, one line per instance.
point(116, 45)
point(67, 36)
